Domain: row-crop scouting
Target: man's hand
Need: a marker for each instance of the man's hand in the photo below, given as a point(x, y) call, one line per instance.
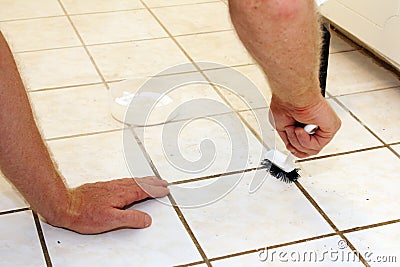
point(298, 141)
point(98, 207)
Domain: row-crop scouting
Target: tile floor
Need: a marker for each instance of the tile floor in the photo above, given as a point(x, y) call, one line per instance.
point(71, 52)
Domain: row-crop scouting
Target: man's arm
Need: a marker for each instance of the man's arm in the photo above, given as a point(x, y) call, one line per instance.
point(25, 161)
point(284, 38)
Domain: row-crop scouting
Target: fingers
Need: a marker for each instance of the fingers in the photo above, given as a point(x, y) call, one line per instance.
point(300, 143)
point(153, 186)
point(127, 191)
point(129, 219)
point(151, 180)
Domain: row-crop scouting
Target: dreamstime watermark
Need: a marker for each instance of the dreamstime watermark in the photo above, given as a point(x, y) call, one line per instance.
point(340, 254)
point(162, 104)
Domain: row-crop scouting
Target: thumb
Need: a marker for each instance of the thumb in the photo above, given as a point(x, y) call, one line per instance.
point(130, 219)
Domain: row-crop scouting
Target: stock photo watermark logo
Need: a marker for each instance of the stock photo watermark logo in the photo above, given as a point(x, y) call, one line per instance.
point(172, 106)
point(341, 253)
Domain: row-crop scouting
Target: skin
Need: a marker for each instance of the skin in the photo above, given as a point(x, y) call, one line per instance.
point(25, 161)
point(284, 38)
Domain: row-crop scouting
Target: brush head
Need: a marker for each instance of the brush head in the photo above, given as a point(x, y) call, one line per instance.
point(281, 166)
point(277, 172)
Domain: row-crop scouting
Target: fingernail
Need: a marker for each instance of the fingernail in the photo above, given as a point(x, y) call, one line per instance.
point(147, 220)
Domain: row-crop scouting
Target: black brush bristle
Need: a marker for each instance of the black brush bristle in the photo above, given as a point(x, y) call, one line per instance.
point(287, 177)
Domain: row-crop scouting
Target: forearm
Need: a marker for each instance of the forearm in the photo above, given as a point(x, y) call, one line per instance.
point(284, 38)
point(24, 158)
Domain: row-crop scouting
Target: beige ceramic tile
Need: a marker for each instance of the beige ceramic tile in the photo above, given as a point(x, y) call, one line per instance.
point(56, 68)
point(244, 87)
point(312, 253)
point(98, 157)
point(117, 26)
point(222, 47)
point(72, 111)
point(379, 246)
point(340, 44)
point(10, 198)
point(276, 213)
point(352, 72)
point(137, 59)
point(37, 34)
point(77, 7)
point(21, 9)
point(379, 110)
point(158, 3)
point(356, 189)
point(165, 243)
point(189, 19)
point(200, 147)
point(19, 243)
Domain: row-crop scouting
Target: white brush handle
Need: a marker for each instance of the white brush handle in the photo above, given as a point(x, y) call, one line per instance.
point(311, 128)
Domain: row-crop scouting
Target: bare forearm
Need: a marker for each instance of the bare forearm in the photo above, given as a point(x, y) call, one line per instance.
point(284, 38)
point(24, 158)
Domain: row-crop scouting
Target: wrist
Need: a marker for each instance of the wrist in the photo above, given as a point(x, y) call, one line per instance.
point(57, 212)
point(299, 103)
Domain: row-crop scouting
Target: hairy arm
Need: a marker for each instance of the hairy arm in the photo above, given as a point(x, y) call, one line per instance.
point(24, 158)
point(284, 38)
point(25, 161)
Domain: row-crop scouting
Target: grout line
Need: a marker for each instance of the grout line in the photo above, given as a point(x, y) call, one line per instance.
point(273, 246)
point(343, 51)
point(202, 32)
point(190, 264)
point(128, 41)
point(42, 240)
point(81, 135)
point(181, 120)
point(33, 18)
point(172, 200)
point(371, 226)
point(216, 176)
point(340, 154)
point(182, 4)
point(104, 12)
point(46, 49)
point(64, 87)
point(368, 91)
point(83, 44)
point(13, 211)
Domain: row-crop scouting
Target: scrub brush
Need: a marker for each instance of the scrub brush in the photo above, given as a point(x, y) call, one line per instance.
point(281, 166)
